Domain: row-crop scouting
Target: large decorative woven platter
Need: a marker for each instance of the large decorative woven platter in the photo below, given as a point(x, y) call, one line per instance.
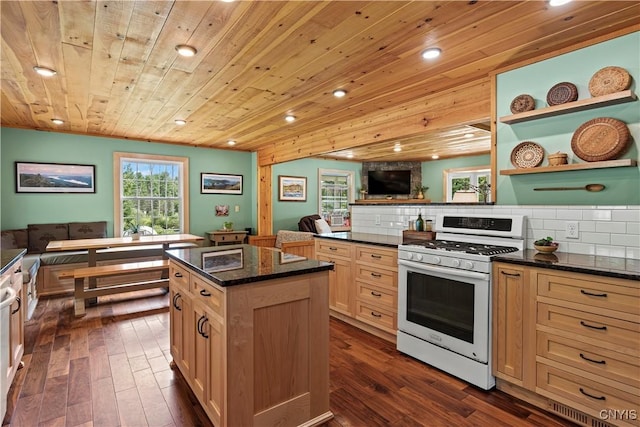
point(522, 103)
point(609, 80)
point(600, 139)
point(562, 93)
point(527, 155)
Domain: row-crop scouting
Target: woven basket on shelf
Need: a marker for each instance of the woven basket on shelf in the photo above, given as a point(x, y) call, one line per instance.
point(609, 80)
point(601, 139)
point(562, 93)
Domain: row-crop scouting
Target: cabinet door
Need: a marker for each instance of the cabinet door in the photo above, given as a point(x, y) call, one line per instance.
point(181, 329)
point(341, 286)
point(214, 392)
point(508, 322)
point(200, 343)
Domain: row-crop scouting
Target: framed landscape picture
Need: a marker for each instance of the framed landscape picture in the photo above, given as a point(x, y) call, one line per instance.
point(218, 183)
point(55, 178)
point(292, 188)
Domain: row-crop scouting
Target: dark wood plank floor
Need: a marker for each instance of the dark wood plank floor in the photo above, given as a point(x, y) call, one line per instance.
point(111, 368)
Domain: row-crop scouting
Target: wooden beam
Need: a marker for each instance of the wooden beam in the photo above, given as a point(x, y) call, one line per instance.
point(265, 203)
point(467, 104)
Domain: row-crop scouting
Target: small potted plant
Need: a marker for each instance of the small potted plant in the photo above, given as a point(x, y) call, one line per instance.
point(419, 190)
point(363, 192)
point(546, 245)
point(228, 226)
point(134, 232)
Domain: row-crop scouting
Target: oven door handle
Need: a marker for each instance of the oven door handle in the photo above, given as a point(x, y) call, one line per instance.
point(448, 271)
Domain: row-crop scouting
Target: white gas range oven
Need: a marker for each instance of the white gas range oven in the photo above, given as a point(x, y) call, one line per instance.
point(444, 292)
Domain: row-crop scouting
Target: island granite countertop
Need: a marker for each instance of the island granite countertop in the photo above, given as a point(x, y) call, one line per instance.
point(623, 268)
point(9, 256)
point(240, 264)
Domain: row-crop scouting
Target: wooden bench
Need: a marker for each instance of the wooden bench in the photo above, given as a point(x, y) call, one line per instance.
point(81, 294)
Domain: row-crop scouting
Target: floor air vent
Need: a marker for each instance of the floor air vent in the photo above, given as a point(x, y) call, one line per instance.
point(576, 416)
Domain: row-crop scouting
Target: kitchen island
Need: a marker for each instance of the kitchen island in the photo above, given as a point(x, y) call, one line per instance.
point(250, 334)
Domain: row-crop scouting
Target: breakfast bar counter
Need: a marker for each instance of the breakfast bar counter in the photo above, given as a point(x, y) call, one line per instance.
point(249, 333)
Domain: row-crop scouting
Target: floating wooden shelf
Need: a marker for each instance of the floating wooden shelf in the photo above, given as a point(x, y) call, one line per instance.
point(570, 107)
point(572, 167)
point(392, 201)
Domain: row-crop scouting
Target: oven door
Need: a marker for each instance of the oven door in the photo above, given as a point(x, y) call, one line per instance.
point(446, 307)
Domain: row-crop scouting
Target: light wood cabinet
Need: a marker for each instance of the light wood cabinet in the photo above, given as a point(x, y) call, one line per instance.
point(17, 313)
point(256, 353)
point(363, 287)
point(341, 289)
point(585, 363)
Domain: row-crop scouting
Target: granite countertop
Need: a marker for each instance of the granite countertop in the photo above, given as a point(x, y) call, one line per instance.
point(9, 256)
point(367, 238)
point(590, 264)
point(240, 264)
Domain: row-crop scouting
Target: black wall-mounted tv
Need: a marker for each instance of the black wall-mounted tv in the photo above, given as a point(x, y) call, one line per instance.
point(389, 182)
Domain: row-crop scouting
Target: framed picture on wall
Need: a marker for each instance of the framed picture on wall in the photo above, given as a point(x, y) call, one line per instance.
point(292, 188)
point(34, 177)
point(218, 183)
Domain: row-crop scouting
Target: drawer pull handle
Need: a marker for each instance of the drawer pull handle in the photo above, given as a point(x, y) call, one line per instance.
point(176, 297)
point(205, 293)
point(377, 275)
point(333, 249)
point(601, 362)
point(583, 292)
point(178, 274)
point(374, 314)
point(600, 328)
point(592, 396)
point(376, 256)
point(510, 274)
point(376, 294)
point(19, 301)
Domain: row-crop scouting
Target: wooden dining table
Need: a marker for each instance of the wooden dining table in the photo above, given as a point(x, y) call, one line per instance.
point(93, 245)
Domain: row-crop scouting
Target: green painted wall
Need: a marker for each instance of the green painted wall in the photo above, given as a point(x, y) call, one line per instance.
point(18, 210)
point(555, 133)
point(287, 214)
point(432, 172)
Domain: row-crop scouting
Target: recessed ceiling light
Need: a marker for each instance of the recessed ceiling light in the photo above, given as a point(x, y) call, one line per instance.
point(45, 72)
point(558, 2)
point(468, 135)
point(231, 142)
point(339, 93)
point(228, 1)
point(186, 50)
point(290, 118)
point(431, 53)
point(435, 157)
point(350, 156)
point(57, 121)
point(181, 122)
point(397, 148)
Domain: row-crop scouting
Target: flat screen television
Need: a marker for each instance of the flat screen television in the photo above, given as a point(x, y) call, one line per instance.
point(389, 182)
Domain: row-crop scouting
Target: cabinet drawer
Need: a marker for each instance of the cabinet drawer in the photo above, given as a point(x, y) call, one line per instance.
point(331, 247)
point(601, 329)
point(16, 274)
point(205, 292)
point(385, 278)
point(593, 293)
point(585, 392)
point(381, 297)
point(380, 318)
point(616, 366)
point(377, 256)
point(179, 274)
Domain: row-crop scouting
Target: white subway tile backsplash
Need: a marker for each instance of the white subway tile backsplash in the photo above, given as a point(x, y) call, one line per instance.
point(611, 251)
point(597, 238)
point(610, 227)
point(597, 214)
point(629, 215)
point(569, 214)
point(633, 228)
point(632, 240)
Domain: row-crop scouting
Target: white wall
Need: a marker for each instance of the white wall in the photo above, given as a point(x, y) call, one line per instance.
point(603, 230)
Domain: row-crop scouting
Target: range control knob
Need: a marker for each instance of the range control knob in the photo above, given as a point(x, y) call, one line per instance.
point(418, 257)
point(409, 255)
point(455, 263)
point(436, 260)
point(468, 265)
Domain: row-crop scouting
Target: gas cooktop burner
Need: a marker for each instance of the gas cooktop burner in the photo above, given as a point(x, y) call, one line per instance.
point(470, 248)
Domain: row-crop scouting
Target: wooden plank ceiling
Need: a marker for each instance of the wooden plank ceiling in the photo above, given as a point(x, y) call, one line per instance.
point(119, 75)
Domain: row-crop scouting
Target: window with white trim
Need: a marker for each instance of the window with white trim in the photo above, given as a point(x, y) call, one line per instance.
point(335, 193)
point(465, 179)
point(151, 193)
